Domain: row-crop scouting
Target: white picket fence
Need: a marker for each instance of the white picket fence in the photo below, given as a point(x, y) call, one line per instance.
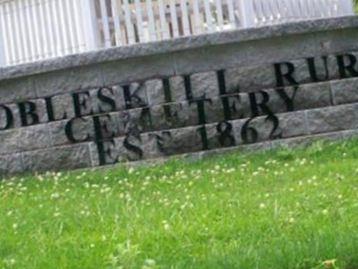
point(32, 30)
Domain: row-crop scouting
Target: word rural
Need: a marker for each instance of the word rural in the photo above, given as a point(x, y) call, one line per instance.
point(174, 115)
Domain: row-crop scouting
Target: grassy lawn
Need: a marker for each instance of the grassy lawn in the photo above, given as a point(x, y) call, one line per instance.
point(272, 210)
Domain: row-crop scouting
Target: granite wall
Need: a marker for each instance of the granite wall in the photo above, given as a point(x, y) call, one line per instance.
point(276, 85)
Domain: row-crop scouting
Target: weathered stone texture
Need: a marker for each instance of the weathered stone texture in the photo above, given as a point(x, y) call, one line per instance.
point(176, 90)
point(345, 91)
point(68, 80)
point(24, 139)
point(332, 119)
point(11, 163)
point(306, 140)
point(136, 69)
point(249, 79)
point(68, 157)
point(17, 90)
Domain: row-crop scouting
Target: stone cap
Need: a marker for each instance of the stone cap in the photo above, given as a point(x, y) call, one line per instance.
point(178, 44)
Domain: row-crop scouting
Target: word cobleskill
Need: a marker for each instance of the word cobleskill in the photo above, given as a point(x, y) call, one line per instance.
point(121, 110)
point(82, 103)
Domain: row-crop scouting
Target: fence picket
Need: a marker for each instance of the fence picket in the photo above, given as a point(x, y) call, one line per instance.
point(230, 7)
point(219, 14)
point(247, 13)
point(14, 56)
point(128, 22)
point(208, 16)
point(31, 30)
point(57, 28)
point(346, 7)
point(16, 9)
point(139, 20)
point(5, 36)
point(151, 24)
point(78, 27)
point(50, 29)
point(174, 19)
point(163, 22)
point(105, 24)
point(64, 29)
point(44, 32)
point(117, 22)
point(72, 25)
point(184, 17)
point(198, 23)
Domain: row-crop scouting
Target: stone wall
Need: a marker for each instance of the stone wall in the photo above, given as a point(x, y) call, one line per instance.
point(274, 85)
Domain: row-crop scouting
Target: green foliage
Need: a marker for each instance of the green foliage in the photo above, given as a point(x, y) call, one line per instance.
point(272, 210)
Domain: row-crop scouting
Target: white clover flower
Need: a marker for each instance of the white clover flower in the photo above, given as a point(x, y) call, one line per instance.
point(10, 262)
point(330, 263)
point(149, 262)
point(57, 214)
point(55, 195)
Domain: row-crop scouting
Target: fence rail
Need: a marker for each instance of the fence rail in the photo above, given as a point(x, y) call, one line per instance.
point(32, 30)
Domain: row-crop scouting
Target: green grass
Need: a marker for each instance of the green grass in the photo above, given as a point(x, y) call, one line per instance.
point(271, 210)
